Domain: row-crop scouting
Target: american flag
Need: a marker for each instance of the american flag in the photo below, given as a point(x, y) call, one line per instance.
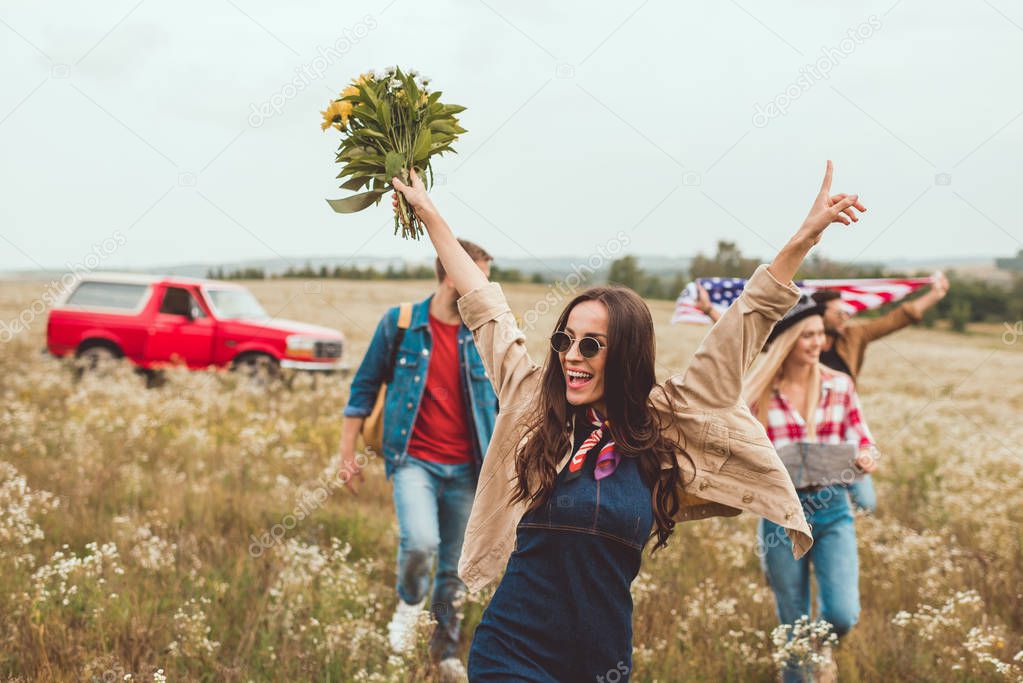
point(857, 294)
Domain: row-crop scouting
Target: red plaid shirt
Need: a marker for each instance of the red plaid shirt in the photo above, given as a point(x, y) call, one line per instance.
point(839, 417)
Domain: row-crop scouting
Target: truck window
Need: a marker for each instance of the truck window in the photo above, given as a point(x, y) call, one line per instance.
point(235, 303)
point(179, 301)
point(108, 295)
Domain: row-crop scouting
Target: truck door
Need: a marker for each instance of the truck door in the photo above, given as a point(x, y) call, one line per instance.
point(182, 330)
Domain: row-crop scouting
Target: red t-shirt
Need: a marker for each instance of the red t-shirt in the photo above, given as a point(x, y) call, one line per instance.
point(441, 433)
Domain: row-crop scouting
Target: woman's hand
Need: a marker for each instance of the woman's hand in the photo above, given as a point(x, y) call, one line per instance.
point(866, 461)
point(462, 270)
point(828, 208)
point(702, 298)
point(703, 303)
point(415, 195)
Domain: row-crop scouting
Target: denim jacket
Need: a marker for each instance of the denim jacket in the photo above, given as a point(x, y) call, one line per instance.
point(405, 390)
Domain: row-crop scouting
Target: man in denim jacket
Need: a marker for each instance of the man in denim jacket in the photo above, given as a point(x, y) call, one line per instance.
point(439, 415)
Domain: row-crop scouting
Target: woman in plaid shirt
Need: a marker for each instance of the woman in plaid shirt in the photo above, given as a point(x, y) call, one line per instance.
point(798, 400)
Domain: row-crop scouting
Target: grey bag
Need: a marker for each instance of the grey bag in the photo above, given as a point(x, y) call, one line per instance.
point(817, 464)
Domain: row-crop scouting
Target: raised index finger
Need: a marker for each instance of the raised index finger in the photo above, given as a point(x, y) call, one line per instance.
point(826, 185)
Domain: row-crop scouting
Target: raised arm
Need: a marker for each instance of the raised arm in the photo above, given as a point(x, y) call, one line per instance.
point(907, 314)
point(484, 310)
point(714, 377)
point(939, 288)
point(459, 265)
point(826, 209)
point(704, 304)
point(873, 329)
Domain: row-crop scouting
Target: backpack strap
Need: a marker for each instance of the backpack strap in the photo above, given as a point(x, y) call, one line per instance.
point(404, 320)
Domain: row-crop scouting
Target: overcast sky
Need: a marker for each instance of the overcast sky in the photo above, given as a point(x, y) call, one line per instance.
point(189, 131)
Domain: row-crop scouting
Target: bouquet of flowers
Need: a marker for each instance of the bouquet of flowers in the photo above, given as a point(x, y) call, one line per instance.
point(390, 123)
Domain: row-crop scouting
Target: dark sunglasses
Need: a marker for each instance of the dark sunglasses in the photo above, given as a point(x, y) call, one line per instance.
point(588, 346)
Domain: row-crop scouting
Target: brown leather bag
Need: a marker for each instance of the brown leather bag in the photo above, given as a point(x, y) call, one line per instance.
point(373, 425)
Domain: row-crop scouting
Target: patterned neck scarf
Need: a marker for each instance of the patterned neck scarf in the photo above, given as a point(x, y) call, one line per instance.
point(607, 458)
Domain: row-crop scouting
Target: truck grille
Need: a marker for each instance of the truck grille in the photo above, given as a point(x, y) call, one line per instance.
point(327, 349)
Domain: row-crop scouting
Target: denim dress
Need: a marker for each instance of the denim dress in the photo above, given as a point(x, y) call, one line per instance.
point(563, 611)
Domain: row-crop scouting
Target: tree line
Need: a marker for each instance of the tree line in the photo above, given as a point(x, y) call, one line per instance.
point(405, 272)
point(968, 300)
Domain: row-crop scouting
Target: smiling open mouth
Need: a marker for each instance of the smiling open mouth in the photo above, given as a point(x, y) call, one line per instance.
point(577, 378)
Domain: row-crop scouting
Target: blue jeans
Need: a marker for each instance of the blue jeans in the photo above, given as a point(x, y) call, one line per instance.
point(433, 503)
point(863, 494)
point(834, 559)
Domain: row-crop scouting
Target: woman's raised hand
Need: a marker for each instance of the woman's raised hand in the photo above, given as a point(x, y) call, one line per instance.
point(828, 208)
point(460, 267)
point(415, 195)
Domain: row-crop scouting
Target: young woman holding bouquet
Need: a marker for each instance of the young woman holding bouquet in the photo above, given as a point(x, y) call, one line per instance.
point(591, 457)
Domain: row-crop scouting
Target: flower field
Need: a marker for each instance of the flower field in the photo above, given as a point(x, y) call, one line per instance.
point(193, 530)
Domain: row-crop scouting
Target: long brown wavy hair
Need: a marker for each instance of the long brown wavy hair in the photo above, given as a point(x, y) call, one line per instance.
point(628, 378)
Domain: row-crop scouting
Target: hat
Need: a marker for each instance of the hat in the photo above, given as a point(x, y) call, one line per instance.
point(804, 308)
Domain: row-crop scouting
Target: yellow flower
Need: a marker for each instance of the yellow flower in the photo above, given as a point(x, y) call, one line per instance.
point(350, 90)
point(336, 115)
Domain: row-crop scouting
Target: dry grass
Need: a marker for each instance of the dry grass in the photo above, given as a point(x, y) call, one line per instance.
point(127, 518)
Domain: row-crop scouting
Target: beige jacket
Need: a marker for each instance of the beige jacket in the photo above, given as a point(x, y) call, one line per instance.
point(853, 338)
point(736, 467)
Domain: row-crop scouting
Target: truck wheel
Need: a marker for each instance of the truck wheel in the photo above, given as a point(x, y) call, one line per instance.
point(261, 368)
point(98, 359)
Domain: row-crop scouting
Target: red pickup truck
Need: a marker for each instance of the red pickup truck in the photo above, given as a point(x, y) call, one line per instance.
point(157, 321)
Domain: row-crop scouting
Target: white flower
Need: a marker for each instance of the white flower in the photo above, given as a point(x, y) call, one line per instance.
point(18, 504)
point(151, 551)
